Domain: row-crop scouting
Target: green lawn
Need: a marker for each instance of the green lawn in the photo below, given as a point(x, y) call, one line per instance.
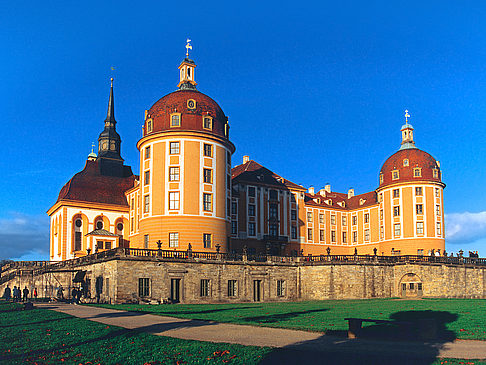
point(457, 318)
point(41, 336)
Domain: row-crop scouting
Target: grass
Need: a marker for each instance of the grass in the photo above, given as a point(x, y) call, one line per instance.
point(458, 318)
point(41, 336)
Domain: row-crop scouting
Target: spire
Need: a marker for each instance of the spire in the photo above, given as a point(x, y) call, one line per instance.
point(110, 115)
point(407, 134)
point(186, 70)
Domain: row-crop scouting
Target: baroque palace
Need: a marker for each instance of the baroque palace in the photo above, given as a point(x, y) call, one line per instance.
point(189, 197)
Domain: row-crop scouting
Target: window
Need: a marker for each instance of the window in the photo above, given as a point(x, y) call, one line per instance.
point(208, 176)
point(418, 191)
point(293, 232)
point(208, 123)
point(435, 173)
point(437, 209)
point(309, 217)
point(147, 152)
point(367, 217)
point(133, 204)
point(251, 191)
point(355, 236)
point(397, 229)
point(108, 245)
point(99, 245)
point(208, 150)
point(420, 227)
point(292, 198)
point(280, 288)
point(146, 179)
point(273, 194)
point(420, 252)
point(205, 287)
point(419, 286)
point(207, 240)
point(228, 158)
point(419, 209)
point(119, 228)
point(345, 237)
point(321, 235)
point(132, 224)
point(345, 221)
point(251, 210)
point(417, 172)
point(411, 285)
point(437, 193)
point(395, 175)
point(174, 148)
point(333, 219)
point(396, 193)
point(251, 228)
point(174, 173)
point(149, 125)
point(143, 287)
point(381, 214)
point(175, 120)
point(396, 211)
point(232, 288)
point(321, 218)
point(207, 202)
point(146, 203)
point(309, 234)
point(273, 211)
point(273, 230)
point(355, 220)
point(174, 239)
point(438, 229)
point(77, 240)
point(405, 162)
point(173, 200)
point(234, 227)
point(234, 208)
point(146, 241)
point(382, 232)
point(293, 214)
point(99, 224)
point(367, 234)
point(333, 236)
point(381, 178)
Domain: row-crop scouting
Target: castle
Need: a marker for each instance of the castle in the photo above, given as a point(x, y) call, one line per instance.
point(189, 197)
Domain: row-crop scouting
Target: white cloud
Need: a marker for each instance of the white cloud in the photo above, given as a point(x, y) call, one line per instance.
point(24, 235)
point(465, 228)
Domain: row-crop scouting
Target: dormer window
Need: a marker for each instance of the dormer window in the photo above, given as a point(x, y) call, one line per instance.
point(175, 120)
point(381, 178)
point(208, 123)
point(405, 162)
point(149, 125)
point(435, 173)
point(395, 175)
point(417, 172)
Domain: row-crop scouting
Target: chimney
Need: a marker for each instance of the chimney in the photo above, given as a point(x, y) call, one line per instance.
point(350, 193)
point(327, 188)
point(322, 192)
point(246, 159)
point(311, 190)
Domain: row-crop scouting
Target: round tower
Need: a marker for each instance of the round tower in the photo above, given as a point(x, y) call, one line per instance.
point(411, 201)
point(185, 171)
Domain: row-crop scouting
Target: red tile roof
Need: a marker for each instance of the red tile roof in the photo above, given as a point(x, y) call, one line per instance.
point(355, 202)
point(90, 186)
point(254, 173)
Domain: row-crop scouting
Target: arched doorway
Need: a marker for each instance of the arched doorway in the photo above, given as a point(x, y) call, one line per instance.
point(410, 286)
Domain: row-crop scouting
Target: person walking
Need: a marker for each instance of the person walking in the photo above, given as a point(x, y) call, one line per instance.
point(74, 295)
point(35, 294)
point(26, 294)
point(14, 293)
point(7, 293)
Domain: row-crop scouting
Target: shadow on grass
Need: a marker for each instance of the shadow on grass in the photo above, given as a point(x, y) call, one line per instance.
point(280, 317)
point(373, 345)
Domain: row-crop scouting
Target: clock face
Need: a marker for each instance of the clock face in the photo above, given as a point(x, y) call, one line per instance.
point(191, 104)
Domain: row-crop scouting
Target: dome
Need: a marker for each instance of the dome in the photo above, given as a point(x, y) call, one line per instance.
point(406, 161)
point(192, 106)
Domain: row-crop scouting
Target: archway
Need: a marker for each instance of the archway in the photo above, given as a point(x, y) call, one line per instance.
point(410, 286)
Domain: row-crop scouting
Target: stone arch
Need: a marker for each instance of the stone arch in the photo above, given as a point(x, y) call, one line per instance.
point(410, 285)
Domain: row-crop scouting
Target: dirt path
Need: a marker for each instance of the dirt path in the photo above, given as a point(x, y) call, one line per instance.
point(289, 342)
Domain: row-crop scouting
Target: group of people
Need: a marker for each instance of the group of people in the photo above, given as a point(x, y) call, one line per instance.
point(17, 295)
point(474, 254)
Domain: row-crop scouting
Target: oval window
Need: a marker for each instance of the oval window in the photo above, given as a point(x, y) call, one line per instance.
point(78, 223)
point(119, 226)
point(99, 225)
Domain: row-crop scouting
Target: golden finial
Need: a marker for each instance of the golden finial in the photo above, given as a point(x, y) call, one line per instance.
point(188, 47)
point(92, 147)
point(406, 116)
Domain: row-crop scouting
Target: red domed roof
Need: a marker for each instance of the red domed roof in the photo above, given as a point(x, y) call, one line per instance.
point(191, 118)
point(416, 158)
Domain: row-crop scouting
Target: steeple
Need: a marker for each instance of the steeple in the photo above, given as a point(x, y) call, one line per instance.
point(186, 69)
point(407, 134)
point(109, 142)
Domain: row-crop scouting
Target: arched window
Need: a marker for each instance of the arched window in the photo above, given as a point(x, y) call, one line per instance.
point(78, 234)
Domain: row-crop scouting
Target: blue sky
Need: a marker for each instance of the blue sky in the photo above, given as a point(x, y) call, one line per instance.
point(314, 91)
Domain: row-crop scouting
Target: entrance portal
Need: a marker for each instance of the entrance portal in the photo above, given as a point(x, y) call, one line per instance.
point(410, 286)
point(175, 290)
point(257, 288)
